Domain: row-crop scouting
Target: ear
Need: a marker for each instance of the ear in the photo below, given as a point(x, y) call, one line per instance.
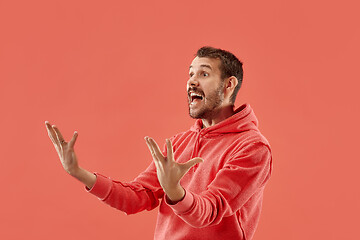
point(230, 85)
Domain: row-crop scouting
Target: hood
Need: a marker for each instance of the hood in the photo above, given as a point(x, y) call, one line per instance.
point(244, 119)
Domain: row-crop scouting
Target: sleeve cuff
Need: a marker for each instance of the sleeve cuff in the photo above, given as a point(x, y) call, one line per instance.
point(102, 187)
point(184, 205)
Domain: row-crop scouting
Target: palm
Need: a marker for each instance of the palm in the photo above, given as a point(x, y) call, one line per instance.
point(64, 149)
point(169, 172)
point(69, 160)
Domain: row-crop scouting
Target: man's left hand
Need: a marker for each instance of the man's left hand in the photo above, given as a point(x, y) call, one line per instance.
point(169, 172)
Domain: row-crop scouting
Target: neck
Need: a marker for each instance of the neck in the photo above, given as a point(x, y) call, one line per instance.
point(220, 115)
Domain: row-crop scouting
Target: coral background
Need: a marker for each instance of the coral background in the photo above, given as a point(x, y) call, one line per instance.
point(116, 71)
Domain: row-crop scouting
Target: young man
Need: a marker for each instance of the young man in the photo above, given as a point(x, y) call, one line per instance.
point(209, 181)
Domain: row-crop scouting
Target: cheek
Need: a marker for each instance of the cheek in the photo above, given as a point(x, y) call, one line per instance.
point(209, 88)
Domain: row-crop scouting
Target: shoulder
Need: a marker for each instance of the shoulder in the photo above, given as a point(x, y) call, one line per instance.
point(250, 137)
point(251, 143)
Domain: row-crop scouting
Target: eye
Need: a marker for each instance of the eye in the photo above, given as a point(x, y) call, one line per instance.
point(191, 74)
point(205, 74)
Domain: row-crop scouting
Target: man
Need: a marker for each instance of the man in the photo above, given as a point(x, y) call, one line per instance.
point(209, 180)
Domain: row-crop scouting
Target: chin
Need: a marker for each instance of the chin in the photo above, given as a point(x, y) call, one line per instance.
point(196, 114)
point(192, 114)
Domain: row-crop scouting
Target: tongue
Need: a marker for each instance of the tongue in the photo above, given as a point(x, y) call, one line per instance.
point(196, 100)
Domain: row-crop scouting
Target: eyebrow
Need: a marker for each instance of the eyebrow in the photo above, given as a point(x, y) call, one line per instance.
point(203, 65)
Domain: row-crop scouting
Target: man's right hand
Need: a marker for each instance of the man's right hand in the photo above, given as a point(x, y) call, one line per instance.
point(67, 156)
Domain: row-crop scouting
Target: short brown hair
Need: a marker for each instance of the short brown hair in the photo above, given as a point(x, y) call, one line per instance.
point(230, 65)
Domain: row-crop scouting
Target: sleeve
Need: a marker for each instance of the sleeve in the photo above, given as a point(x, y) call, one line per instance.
point(141, 194)
point(246, 171)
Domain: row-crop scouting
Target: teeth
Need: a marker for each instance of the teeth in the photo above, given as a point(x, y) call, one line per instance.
point(194, 94)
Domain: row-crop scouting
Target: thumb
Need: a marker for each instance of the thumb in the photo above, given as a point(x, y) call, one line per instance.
point(73, 140)
point(189, 164)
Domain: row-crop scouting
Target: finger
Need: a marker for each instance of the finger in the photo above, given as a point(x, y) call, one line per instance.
point(169, 149)
point(158, 165)
point(151, 149)
point(60, 140)
point(51, 133)
point(58, 134)
point(156, 149)
point(53, 138)
point(192, 162)
point(47, 124)
point(73, 140)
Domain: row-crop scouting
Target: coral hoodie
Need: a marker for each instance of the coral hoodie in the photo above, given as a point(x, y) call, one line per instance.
point(223, 194)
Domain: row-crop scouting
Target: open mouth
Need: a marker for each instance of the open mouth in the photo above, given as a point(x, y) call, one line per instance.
point(195, 97)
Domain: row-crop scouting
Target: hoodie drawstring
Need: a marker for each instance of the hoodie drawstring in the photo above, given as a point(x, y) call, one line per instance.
point(195, 150)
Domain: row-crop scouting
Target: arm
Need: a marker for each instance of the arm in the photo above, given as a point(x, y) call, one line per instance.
point(67, 156)
point(130, 197)
point(141, 194)
point(241, 178)
point(244, 174)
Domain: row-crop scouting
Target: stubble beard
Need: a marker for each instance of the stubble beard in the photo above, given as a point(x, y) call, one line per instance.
point(212, 102)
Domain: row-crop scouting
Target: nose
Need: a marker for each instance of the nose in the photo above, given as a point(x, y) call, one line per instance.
point(193, 82)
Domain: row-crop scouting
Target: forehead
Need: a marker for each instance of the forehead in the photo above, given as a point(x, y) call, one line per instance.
point(204, 62)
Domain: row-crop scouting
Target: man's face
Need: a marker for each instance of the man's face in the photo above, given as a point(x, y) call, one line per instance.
point(205, 88)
